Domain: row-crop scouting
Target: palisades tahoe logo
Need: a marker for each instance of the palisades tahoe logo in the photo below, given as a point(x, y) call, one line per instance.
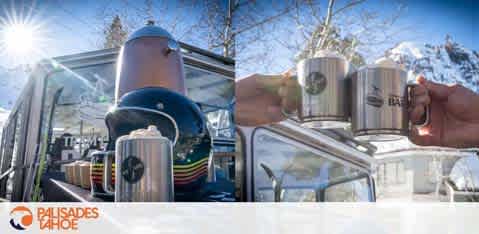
point(51, 218)
point(21, 217)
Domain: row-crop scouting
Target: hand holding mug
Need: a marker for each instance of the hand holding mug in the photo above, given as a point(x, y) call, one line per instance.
point(263, 99)
point(454, 115)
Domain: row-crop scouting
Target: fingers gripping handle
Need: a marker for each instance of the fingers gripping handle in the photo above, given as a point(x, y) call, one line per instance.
point(427, 113)
point(289, 114)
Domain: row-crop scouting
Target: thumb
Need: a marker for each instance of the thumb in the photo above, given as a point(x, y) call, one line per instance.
point(421, 139)
point(436, 90)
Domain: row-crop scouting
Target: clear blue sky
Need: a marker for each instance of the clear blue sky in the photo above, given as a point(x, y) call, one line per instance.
point(436, 18)
point(72, 26)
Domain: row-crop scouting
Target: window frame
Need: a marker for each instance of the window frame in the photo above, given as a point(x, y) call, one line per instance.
point(314, 150)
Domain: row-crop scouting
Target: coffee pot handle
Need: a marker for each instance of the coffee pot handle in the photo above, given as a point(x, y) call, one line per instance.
point(108, 167)
point(427, 114)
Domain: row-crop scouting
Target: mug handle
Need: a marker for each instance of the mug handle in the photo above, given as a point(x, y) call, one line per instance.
point(108, 165)
point(293, 114)
point(427, 117)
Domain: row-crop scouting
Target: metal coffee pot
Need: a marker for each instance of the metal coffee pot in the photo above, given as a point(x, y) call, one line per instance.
point(144, 160)
point(325, 91)
point(380, 101)
point(150, 57)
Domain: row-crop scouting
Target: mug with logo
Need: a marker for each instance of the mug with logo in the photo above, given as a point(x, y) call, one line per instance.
point(145, 167)
point(325, 95)
point(380, 101)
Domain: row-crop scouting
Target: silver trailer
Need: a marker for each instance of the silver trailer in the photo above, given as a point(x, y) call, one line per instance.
point(427, 174)
point(86, 82)
point(286, 162)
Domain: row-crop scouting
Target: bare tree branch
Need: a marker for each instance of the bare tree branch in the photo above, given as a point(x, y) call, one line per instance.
point(327, 24)
point(349, 5)
point(264, 21)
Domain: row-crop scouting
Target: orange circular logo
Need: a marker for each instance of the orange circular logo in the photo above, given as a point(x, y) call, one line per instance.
point(25, 220)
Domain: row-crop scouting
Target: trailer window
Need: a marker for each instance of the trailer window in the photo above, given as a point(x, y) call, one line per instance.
point(214, 92)
point(208, 87)
point(304, 174)
point(350, 191)
point(78, 118)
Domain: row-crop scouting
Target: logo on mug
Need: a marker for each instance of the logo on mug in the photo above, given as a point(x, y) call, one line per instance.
point(395, 100)
point(315, 83)
point(132, 169)
point(25, 220)
point(374, 97)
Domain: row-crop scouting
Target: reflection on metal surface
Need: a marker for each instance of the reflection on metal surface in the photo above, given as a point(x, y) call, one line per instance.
point(275, 182)
point(144, 162)
point(324, 92)
point(150, 58)
point(379, 108)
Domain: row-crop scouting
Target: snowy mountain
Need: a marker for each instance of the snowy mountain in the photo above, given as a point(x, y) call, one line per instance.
point(448, 63)
point(12, 81)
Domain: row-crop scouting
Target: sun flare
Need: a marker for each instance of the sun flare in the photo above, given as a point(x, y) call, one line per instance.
point(18, 39)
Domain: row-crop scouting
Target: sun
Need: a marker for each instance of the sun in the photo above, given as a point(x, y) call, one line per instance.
point(22, 39)
point(18, 39)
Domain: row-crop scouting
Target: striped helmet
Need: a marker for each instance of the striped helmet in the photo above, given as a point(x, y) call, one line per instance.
point(177, 118)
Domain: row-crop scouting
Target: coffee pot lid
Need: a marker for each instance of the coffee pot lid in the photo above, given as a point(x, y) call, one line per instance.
point(150, 30)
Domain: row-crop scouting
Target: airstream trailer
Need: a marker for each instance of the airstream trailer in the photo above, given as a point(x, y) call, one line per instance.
point(60, 116)
point(286, 162)
point(427, 174)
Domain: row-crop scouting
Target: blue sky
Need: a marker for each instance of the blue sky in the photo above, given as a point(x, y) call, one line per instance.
point(436, 18)
point(427, 21)
point(73, 26)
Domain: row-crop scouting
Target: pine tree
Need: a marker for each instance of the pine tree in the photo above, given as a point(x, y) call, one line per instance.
point(115, 34)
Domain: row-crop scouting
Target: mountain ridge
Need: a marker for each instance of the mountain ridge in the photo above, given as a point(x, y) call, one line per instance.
point(447, 63)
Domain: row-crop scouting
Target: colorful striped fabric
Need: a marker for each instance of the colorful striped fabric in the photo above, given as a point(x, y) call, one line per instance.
point(187, 173)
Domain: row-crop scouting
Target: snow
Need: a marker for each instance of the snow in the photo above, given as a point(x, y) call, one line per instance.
point(409, 49)
point(449, 63)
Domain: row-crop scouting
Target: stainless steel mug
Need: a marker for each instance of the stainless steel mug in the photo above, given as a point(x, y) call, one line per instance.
point(325, 92)
point(380, 102)
point(144, 160)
